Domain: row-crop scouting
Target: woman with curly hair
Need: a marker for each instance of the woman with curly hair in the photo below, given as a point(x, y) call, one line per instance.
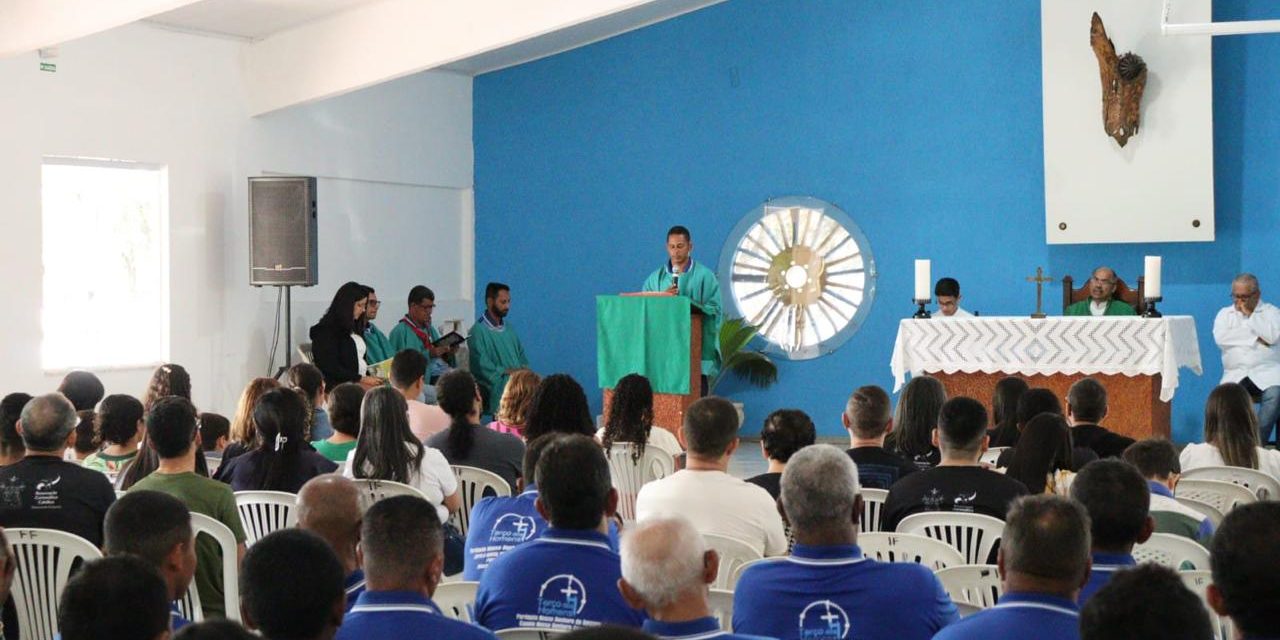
point(630, 420)
point(168, 380)
point(559, 406)
point(517, 397)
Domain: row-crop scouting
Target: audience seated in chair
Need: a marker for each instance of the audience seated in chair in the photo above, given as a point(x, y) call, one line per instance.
point(120, 426)
point(307, 380)
point(785, 432)
point(118, 598)
point(1157, 461)
point(85, 442)
point(11, 447)
point(714, 501)
point(291, 587)
point(1043, 563)
point(559, 405)
point(329, 506)
point(1004, 411)
point(403, 550)
point(517, 398)
point(914, 421)
point(80, 500)
point(1086, 407)
point(1245, 557)
point(409, 377)
point(826, 584)
point(1105, 294)
point(1117, 499)
point(570, 571)
point(216, 629)
point(344, 416)
point(283, 461)
point(867, 419)
point(83, 389)
point(466, 442)
point(630, 419)
point(959, 482)
point(215, 433)
point(1148, 601)
point(1032, 403)
point(666, 567)
point(244, 434)
point(172, 436)
point(1230, 435)
point(156, 528)
point(1042, 459)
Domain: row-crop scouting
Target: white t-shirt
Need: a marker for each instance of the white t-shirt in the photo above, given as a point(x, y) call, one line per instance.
point(426, 420)
point(658, 437)
point(1098, 308)
point(1203, 454)
point(718, 503)
point(434, 478)
point(360, 351)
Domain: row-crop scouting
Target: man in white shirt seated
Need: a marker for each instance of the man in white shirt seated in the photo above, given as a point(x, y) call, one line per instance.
point(947, 291)
point(1247, 332)
point(666, 567)
point(714, 501)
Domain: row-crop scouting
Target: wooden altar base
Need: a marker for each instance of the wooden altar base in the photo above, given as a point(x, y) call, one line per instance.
point(1134, 405)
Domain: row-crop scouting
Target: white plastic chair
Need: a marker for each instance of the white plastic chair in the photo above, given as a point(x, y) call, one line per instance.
point(189, 605)
point(909, 547)
point(43, 560)
point(629, 476)
point(1223, 496)
point(262, 512)
point(305, 353)
point(972, 534)
point(472, 485)
point(733, 554)
point(1211, 512)
point(975, 584)
point(372, 491)
point(1198, 582)
point(872, 507)
point(1175, 552)
point(721, 604)
point(1261, 483)
point(528, 634)
point(456, 599)
point(992, 454)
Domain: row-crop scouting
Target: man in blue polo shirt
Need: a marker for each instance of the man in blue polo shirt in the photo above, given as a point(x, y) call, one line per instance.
point(825, 588)
point(568, 577)
point(155, 527)
point(291, 587)
point(403, 545)
point(329, 506)
point(666, 567)
point(1117, 499)
point(1043, 562)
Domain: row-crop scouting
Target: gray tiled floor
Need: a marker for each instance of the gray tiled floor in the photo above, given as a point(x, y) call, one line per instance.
point(747, 460)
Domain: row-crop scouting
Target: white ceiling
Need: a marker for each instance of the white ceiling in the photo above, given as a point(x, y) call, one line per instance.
point(251, 19)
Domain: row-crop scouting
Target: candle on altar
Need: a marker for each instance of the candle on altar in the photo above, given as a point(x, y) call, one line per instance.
point(1152, 277)
point(922, 280)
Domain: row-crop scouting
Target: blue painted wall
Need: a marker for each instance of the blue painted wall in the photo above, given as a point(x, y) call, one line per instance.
point(922, 119)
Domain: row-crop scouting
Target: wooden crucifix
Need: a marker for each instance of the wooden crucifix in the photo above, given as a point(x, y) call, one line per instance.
point(1040, 279)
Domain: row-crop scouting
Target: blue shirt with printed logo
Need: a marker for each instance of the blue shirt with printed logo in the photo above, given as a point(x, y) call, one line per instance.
point(500, 524)
point(700, 629)
point(565, 579)
point(1020, 615)
point(392, 615)
point(1105, 565)
point(832, 592)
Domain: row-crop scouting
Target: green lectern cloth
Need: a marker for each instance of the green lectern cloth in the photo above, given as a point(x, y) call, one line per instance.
point(645, 335)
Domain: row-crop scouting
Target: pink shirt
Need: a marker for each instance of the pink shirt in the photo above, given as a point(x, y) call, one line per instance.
point(426, 420)
point(502, 427)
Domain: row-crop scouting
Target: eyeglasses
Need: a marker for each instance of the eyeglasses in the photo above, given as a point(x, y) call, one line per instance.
point(374, 303)
point(1245, 296)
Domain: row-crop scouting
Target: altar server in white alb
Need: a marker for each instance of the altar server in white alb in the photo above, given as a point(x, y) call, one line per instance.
point(1248, 333)
point(947, 291)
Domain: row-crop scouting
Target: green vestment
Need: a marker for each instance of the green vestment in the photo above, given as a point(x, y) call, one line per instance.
point(1114, 308)
point(700, 285)
point(494, 351)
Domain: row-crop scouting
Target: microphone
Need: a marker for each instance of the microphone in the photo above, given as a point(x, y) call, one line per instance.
point(675, 276)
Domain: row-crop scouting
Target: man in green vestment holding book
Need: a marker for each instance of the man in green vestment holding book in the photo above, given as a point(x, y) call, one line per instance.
point(415, 331)
point(495, 348)
point(683, 277)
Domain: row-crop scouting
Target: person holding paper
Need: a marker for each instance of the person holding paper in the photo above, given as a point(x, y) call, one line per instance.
point(414, 331)
point(1102, 286)
point(1247, 332)
point(495, 348)
point(681, 276)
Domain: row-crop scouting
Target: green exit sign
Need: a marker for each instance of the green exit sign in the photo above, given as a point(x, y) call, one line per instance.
point(49, 66)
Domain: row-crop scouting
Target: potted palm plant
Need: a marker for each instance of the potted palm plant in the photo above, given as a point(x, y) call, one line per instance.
point(736, 358)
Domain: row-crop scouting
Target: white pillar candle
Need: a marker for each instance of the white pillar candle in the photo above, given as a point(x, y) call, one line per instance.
point(1152, 275)
point(922, 280)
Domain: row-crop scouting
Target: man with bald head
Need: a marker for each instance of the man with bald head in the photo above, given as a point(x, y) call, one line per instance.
point(1101, 302)
point(329, 506)
point(666, 570)
point(43, 491)
point(1247, 332)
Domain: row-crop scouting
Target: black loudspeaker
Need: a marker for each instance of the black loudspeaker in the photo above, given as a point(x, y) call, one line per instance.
point(282, 231)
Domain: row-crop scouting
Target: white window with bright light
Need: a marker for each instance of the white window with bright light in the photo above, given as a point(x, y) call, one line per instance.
point(105, 254)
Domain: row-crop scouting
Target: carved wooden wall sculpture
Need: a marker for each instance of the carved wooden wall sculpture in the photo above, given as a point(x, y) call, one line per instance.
point(1123, 80)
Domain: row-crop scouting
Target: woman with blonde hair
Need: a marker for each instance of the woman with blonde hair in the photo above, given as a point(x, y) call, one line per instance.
point(1230, 435)
point(243, 436)
point(517, 396)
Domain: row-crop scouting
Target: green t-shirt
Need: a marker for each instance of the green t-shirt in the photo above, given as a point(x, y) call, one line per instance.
point(110, 465)
point(210, 498)
point(334, 452)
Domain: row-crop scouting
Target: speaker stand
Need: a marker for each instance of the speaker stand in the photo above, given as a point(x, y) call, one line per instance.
point(288, 331)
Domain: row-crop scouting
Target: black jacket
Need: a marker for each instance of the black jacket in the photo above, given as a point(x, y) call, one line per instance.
point(1105, 443)
point(334, 354)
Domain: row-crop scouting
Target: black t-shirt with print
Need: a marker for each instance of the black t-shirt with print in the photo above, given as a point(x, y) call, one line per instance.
point(46, 492)
point(963, 489)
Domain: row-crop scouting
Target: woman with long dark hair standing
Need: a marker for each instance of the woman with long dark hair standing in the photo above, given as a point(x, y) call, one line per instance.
point(283, 461)
point(467, 443)
point(337, 341)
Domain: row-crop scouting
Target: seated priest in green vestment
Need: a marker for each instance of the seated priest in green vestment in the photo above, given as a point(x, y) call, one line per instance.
point(414, 331)
point(377, 347)
point(683, 277)
point(1102, 301)
point(495, 348)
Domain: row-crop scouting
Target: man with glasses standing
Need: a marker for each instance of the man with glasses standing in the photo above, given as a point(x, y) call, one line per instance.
point(414, 331)
point(1102, 288)
point(1247, 332)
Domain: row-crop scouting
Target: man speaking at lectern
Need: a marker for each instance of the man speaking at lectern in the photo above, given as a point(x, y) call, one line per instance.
point(683, 277)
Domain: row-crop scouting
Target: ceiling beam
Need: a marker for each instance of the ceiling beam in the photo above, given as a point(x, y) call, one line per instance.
point(28, 25)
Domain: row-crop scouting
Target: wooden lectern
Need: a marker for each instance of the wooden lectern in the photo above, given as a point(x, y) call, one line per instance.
point(656, 335)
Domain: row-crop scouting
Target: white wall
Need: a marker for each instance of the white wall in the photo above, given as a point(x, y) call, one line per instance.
point(395, 169)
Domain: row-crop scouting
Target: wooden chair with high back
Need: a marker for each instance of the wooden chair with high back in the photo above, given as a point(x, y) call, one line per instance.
point(1133, 297)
